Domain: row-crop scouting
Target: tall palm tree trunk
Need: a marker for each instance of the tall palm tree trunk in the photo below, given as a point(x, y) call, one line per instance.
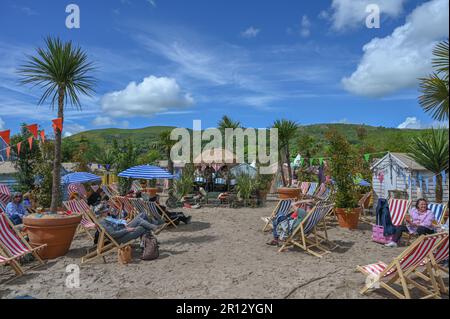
point(288, 162)
point(438, 189)
point(170, 167)
point(283, 178)
point(57, 161)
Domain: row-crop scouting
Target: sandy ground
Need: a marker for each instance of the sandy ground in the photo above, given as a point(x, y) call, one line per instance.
point(222, 254)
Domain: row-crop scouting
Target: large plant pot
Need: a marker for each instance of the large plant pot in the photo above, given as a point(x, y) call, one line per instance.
point(348, 218)
point(288, 193)
point(56, 232)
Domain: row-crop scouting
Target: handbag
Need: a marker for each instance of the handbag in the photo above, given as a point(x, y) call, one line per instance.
point(124, 255)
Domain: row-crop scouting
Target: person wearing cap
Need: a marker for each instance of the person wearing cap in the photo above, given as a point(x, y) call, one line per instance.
point(15, 209)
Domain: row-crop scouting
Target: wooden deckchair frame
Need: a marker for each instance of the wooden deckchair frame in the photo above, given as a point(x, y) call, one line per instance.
point(102, 248)
point(11, 261)
point(362, 203)
point(306, 243)
point(404, 277)
point(275, 213)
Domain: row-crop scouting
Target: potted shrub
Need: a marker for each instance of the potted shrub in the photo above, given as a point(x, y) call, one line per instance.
point(341, 168)
point(244, 187)
point(262, 185)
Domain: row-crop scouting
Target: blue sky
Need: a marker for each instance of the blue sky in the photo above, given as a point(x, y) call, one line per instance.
point(173, 61)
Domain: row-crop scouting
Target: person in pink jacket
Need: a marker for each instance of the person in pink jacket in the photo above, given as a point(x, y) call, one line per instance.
point(420, 221)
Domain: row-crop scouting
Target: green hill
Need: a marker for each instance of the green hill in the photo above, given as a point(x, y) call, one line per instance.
point(381, 138)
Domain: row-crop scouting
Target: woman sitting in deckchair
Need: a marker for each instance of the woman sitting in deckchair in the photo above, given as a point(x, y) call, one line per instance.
point(420, 221)
point(284, 224)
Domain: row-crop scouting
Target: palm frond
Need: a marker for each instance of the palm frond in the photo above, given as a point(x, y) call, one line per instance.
point(434, 98)
point(440, 61)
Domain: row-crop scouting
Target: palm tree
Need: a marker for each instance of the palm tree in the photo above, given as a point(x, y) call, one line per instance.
point(227, 122)
point(165, 144)
point(431, 151)
point(62, 71)
point(287, 130)
point(434, 98)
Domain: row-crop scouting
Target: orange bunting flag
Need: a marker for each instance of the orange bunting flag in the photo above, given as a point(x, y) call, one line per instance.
point(19, 145)
point(8, 152)
point(43, 136)
point(5, 135)
point(30, 142)
point(57, 124)
point(33, 128)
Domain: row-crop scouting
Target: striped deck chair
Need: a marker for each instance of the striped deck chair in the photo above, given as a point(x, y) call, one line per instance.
point(114, 189)
point(136, 187)
point(439, 211)
point(401, 270)
point(13, 242)
point(81, 207)
point(398, 209)
point(120, 201)
point(142, 207)
point(306, 235)
point(439, 255)
point(283, 208)
point(76, 188)
point(95, 187)
point(156, 210)
point(106, 244)
point(364, 203)
point(311, 190)
point(2, 207)
point(5, 260)
point(304, 186)
point(108, 191)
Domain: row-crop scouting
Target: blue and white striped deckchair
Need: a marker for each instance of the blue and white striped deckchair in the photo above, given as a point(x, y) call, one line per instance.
point(282, 209)
point(312, 189)
point(438, 210)
point(158, 213)
point(305, 235)
point(2, 207)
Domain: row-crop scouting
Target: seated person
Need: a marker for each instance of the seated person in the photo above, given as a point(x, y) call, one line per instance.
point(420, 221)
point(176, 217)
point(123, 232)
point(102, 194)
point(93, 198)
point(15, 209)
point(28, 203)
point(294, 218)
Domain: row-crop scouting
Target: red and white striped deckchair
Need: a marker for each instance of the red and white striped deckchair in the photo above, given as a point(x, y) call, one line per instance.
point(114, 189)
point(398, 208)
point(14, 243)
point(5, 194)
point(77, 188)
point(401, 269)
point(127, 206)
point(304, 186)
point(81, 207)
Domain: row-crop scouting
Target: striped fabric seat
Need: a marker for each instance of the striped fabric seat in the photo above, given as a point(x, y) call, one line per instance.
point(80, 207)
point(76, 188)
point(441, 252)
point(284, 207)
point(10, 240)
point(304, 187)
point(153, 209)
point(2, 207)
point(5, 195)
point(114, 188)
point(398, 209)
point(438, 210)
point(312, 189)
point(414, 257)
point(314, 218)
point(127, 206)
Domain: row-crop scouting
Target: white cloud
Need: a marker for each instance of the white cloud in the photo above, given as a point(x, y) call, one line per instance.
point(305, 27)
point(151, 96)
point(2, 124)
point(346, 14)
point(67, 134)
point(251, 32)
point(103, 121)
point(411, 123)
point(152, 3)
point(395, 62)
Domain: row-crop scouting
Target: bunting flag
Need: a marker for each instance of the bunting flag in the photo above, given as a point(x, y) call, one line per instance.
point(427, 184)
point(43, 136)
point(107, 166)
point(57, 124)
point(5, 135)
point(366, 157)
point(33, 128)
point(8, 152)
point(414, 184)
point(19, 145)
point(444, 176)
point(420, 183)
point(409, 180)
point(381, 177)
point(30, 142)
point(434, 181)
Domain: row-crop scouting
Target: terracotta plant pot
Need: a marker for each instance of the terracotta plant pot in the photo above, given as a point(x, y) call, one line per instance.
point(57, 233)
point(288, 193)
point(348, 218)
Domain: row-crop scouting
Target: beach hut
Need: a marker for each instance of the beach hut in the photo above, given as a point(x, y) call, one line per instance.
point(398, 172)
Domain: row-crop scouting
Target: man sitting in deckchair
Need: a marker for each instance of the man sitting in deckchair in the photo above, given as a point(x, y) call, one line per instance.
point(123, 232)
point(284, 224)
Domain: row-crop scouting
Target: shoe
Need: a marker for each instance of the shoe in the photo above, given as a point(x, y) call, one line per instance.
point(273, 242)
point(391, 244)
point(187, 220)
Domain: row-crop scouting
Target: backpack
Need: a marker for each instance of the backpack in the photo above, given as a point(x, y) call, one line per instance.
point(151, 247)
